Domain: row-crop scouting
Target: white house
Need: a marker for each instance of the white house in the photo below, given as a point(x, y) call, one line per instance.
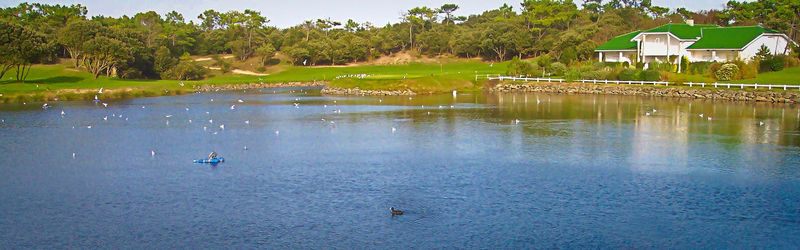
point(670, 42)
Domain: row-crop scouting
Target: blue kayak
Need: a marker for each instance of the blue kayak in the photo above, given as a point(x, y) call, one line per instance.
point(215, 160)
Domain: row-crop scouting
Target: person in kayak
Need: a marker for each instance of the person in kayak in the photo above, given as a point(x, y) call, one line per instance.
point(212, 156)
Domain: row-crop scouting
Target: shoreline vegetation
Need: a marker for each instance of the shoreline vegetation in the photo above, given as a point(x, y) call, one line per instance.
point(59, 82)
point(57, 52)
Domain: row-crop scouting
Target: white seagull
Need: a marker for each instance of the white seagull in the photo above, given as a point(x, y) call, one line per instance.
point(100, 91)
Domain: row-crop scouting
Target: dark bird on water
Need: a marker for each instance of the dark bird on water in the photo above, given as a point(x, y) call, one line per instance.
point(395, 212)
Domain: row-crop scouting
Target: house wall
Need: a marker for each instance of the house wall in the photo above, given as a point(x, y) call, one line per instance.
point(613, 56)
point(707, 55)
point(777, 45)
point(656, 45)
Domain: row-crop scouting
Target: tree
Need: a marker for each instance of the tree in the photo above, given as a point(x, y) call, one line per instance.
point(75, 34)
point(240, 49)
point(103, 53)
point(448, 10)
point(19, 48)
point(163, 60)
point(351, 25)
point(265, 53)
point(150, 24)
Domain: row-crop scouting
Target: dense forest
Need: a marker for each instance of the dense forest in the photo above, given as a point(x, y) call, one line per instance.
point(150, 45)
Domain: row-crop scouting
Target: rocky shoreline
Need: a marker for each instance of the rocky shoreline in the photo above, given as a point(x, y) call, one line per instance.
point(363, 92)
point(679, 92)
point(242, 86)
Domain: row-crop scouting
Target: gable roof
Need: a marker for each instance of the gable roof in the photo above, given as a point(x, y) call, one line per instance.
point(622, 42)
point(730, 37)
point(682, 31)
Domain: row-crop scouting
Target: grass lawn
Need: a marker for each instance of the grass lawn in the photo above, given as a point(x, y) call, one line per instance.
point(45, 81)
point(789, 76)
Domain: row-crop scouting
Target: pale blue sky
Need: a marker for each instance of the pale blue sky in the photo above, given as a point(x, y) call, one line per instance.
point(287, 13)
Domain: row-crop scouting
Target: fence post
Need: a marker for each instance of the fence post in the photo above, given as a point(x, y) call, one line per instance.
point(755, 86)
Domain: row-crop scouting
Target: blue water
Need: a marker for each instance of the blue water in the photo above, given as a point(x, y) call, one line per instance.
point(574, 172)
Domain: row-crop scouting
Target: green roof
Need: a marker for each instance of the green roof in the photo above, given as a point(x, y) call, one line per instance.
point(682, 31)
point(729, 37)
point(622, 42)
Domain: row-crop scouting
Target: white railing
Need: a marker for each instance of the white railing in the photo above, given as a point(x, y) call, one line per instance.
point(690, 84)
point(743, 85)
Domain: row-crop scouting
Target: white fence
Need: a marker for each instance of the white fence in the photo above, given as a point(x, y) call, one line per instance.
point(690, 84)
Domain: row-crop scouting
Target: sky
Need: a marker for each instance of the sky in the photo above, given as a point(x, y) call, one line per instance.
point(287, 13)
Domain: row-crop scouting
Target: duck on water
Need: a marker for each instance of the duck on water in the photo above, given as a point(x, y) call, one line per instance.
point(395, 212)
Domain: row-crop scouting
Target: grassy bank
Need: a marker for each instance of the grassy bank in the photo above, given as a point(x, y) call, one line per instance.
point(47, 82)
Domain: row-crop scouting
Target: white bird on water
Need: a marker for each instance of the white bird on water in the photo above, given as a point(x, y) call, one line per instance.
point(247, 122)
point(647, 114)
point(152, 153)
point(240, 101)
point(168, 116)
point(233, 107)
point(709, 118)
point(277, 132)
point(105, 105)
point(105, 118)
point(88, 126)
point(142, 106)
point(190, 120)
point(394, 129)
point(73, 155)
point(516, 121)
point(701, 115)
point(205, 128)
point(222, 126)
point(212, 99)
point(62, 112)
point(210, 121)
point(100, 91)
point(760, 123)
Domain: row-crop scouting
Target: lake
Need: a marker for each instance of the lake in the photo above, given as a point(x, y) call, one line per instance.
point(476, 170)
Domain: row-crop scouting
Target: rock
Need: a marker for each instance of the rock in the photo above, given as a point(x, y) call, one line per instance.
point(680, 92)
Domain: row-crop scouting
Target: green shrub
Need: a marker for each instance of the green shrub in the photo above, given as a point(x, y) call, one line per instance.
point(653, 65)
point(650, 75)
point(518, 67)
point(712, 69)
point(187, 70)
point(639, 65)
point(601, 65)
point(778, 63)
point(572, 75)
point(626, 65)
point(261, 68)
point(595, 75)
point(558, 69)
point(748, 70)
point(772, 63)
point(684, 64)
point(699, 68)
point(544, 61)
point(726, 72)
point(628, 75)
